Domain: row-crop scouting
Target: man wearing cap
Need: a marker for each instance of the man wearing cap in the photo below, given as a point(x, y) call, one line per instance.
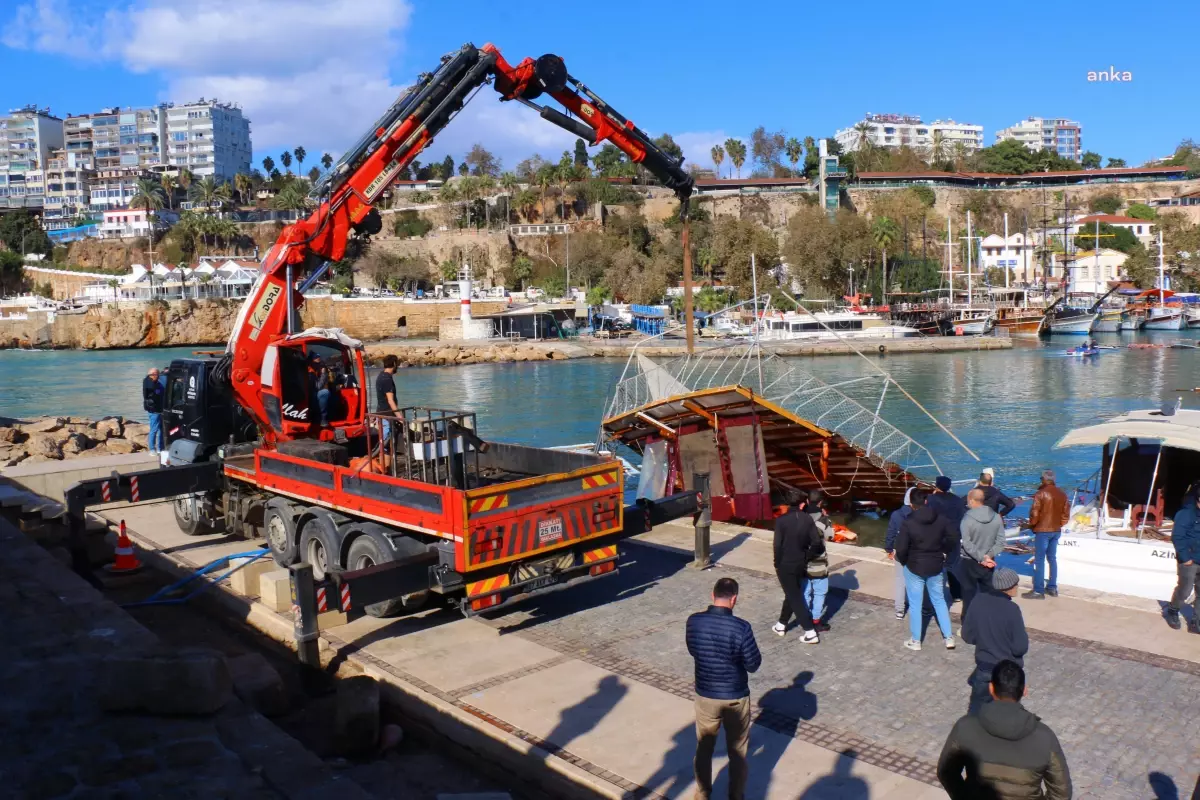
point(951, 508)
point(995, 626)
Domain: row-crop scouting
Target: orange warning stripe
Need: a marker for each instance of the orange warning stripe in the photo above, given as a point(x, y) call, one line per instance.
point(487, 585)
point(600, 554)
point(490, 503)
point(601, 480)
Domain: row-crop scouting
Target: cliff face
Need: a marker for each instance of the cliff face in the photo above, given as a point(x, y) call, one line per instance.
point(181, 323)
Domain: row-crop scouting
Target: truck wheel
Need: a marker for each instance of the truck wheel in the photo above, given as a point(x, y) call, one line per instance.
point(318, 544)
point(187, 515)
point(372, 547)
point(279, 526)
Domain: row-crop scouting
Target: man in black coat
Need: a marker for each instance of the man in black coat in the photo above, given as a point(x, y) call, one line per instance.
point(993, 498)
point(796, 541)
point(925, 540)
point(951, 508)
point(724, 650)
point(995, 626)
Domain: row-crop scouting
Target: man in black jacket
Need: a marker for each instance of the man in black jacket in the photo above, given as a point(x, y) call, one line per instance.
point(796, 541)
point(924, 542)
point(1006, 752)
point(153, 392)
point(993, 498)
point(995, 626)
point(724, 650)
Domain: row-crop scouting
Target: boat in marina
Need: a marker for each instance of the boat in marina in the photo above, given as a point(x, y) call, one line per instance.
point(971, 321)
point(1014, 314)
point(829, 326)
point(1118, 538)
point(1133, 318)
point(1162, 316)
point(1073, 320)
point(1108, 320)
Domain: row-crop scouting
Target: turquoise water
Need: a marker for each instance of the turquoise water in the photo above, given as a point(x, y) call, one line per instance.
point(1008, 406)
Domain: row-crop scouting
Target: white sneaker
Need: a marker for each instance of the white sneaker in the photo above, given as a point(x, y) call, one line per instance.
point(949, 642)
point(779, 629)
point(913, 644)
point(810, 637)
point(899, 615)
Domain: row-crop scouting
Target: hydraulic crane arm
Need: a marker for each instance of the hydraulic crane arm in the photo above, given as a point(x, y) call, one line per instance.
point(348, 193)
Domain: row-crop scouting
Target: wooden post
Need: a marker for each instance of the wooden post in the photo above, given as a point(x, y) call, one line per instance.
point(688, 316)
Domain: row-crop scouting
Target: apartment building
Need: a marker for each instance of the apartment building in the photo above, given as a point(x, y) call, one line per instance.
point(898, 130)
point(67, 192)
point(27, 135)
point(1062, 136)
point(115, 187)
point(207, 138)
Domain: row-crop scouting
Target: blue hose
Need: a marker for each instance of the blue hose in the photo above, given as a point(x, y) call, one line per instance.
point(160, 598)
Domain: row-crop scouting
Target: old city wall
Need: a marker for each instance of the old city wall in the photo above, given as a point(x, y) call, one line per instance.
point(209, 322)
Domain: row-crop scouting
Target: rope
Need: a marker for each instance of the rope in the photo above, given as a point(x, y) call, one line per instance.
point(161, 598)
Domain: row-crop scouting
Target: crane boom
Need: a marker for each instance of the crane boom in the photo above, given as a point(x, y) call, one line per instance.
point(347, 194)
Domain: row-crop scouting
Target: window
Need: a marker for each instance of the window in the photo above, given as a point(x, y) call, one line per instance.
point(1139, 228)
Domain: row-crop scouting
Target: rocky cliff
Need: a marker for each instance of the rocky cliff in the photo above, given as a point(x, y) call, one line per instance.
point(56, 438)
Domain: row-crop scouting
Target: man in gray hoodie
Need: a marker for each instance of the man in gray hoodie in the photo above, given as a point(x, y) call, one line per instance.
point(982, 540)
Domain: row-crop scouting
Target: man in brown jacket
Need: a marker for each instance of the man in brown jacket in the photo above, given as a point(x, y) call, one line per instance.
point(1049, 514)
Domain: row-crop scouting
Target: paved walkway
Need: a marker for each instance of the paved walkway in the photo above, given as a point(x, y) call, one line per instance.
point(597, 682)
point(56, 742)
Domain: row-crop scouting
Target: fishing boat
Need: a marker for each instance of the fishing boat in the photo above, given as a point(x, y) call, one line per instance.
point(971, 321)
point(1074, 318)
point(1162, 316)
point(1132, 319)
point(1014, 314)
point(1118, 536)
point(1108, 320)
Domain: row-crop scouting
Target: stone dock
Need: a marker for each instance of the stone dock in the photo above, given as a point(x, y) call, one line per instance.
point(587, 693)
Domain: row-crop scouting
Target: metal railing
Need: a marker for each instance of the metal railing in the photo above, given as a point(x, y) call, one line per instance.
point(431, 445)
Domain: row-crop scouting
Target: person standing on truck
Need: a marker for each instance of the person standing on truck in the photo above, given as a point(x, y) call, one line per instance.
point(153, 393)
point(385, 392)
point(724, 650)
point(796, 542)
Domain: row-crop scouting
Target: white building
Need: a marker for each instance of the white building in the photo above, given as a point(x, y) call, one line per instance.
point(207, 138)
point(27, 135)
point(213, 277)
point(1018, 255)
point(67, 191)
point(1142, 229)
point(1093, 271)
point(1062, 136)
point(898, 130)
point(130, 223)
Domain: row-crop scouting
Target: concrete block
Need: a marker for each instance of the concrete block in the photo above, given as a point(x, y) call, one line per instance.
point(165, 681)
point(246, 580)
point(259, 684)
point(275, 590)
point(331, 619)
point(356, 720)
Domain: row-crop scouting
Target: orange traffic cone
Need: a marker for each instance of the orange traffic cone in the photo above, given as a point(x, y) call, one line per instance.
point(126, 561)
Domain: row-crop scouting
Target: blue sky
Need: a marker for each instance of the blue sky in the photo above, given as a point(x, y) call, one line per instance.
point(318, 72)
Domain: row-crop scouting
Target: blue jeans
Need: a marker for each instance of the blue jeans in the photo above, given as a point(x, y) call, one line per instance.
point(157, 439)
point(935, 586)
point(1045, 549)
point(323, 405)
point(814, 592)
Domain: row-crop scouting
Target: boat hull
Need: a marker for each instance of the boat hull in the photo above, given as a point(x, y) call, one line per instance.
point(1132, 322)
point(1110, 565)
point(1072, 326)
point(1021, 327)
point(1170, 321)
point(1107, 322)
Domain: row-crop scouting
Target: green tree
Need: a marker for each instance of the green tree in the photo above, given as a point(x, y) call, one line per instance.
point(884, 232)
point(736, 150)
point(168, 183)
point(113, 283)
point(1106, 203)
point(581, 156)
point(327, 161)
point(447, 169)
point(1111, 237)
point(448, 269)
point(1141, 211)
point(718, 155)
point(926, 195)
point(1141, 268)
point(148, 195)
point(314, 174)
point(822, 250)
point(244, 185)
point(285, 158)
point(522, 269)
point(1116, 163)
point(794, 150)
point(409, 223)
point(268, 165)
point(300, 154)
point(598, 295)
point(667, 144)
point(767, 148)
point(509, 183)
point(1090, 160)
point(22, 233)
point(291, 197)
point(480, 161)
point(938, 148)
point(554, 286)
point(12, 271)
point(464, 169)
point(1008, 157)
point(209, 193)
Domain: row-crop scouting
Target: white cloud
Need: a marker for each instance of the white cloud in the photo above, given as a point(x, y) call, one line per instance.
point(49, 26)
point(509, 130)
point(697, 146)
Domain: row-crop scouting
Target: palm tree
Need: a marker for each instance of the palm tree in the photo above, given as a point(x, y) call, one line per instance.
point(207, 192)
point(327, 161)
point(526, 202)
point(113, 283)
point(885, 232)
point(863, 129)
point(937, 148)
point(185, 179)
point(468, 190)
point(285, 158)
point(268, 165)
point(300, 153)
point(794, 150)
point(168, 186)
point(148, 194)
point(718, 155)
point(809, 143)
point(290, 198)
point(736, 149)
point(448, 195)
point(563, 174)
point(960, 155)
point(545, 177)
point(314, 175)
point(487, 188)
point(509, 183)
point(243, 183)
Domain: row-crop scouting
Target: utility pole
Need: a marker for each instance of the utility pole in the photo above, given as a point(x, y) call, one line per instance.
point(1007, 283)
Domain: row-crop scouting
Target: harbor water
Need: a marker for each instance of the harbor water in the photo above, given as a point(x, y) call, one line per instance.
point(1008, 406)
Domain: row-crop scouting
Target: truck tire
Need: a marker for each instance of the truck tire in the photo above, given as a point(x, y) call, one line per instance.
point(318, 543)
point(373, 546)
point(279, 527)
point(187, 515)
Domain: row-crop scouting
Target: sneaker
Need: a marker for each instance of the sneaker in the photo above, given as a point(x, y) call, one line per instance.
point(1193, 627)
point(1033, 595)
point(810, 637)
point(899, 615)
point(1052, 591)
point(821, 627)
point(949, 642)
point(913, 644)
point(779, 629)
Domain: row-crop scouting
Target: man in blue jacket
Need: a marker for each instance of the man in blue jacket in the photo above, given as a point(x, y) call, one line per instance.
point(724, 649)
point(1186, 538)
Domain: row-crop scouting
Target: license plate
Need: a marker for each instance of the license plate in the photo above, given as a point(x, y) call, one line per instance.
point(545, 568)
point(540, 583)
point(550, 531)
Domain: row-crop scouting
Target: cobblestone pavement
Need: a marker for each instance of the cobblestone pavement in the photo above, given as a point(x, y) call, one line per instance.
point(55, 740)
point(1121, 717)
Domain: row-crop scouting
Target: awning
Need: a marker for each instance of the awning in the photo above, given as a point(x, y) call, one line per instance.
point(1169, 431)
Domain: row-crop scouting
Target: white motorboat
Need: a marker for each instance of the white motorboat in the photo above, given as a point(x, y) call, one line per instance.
point(973, 322)
point(1118, 538)
point(1164, 318)
point(830, 326)
point(1108, 321)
